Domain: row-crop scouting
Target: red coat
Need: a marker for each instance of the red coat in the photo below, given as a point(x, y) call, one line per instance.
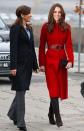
point(56, 77)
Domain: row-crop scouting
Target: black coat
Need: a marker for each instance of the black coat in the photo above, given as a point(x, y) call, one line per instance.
point(22, 57)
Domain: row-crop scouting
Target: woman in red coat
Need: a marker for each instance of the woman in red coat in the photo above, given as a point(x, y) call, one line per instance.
point(56, 33)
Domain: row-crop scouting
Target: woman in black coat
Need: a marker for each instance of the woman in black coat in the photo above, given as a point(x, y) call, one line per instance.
point(22, 62)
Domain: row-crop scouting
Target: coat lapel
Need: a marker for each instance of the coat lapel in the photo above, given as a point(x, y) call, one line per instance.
point(26, 35)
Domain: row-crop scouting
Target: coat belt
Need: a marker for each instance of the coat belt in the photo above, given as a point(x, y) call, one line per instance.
point(56, 47)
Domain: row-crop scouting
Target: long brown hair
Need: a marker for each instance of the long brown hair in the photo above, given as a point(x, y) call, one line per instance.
point(51, 21)
point(22, 10)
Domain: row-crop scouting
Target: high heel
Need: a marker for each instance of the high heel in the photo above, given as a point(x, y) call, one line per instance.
point(14, 122)
point(22, 128)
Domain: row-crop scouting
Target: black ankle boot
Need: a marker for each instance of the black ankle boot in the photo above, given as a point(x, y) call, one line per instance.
point(51, 115)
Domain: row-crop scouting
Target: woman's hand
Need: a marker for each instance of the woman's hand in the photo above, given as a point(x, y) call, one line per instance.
point(13, 72)
point(36, 71)
point(69, 65)
point(42, 68)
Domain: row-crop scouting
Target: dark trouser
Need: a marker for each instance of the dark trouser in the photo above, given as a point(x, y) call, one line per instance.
point(17, 109)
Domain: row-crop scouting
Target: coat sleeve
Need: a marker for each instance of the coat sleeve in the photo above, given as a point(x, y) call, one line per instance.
point(35, 63)
point(69, 46)
point(42, 46)
point(14, 32)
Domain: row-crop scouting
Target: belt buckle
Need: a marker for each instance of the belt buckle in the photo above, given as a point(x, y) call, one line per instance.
point(58, 47)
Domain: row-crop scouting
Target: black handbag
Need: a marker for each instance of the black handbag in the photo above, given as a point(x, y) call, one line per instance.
point(82, 89)
point(63, 63)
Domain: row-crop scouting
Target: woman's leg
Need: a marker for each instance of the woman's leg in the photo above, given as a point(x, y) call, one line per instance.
point(51, 115)
point(12, 111)
point(20, 104)
point(55, 105)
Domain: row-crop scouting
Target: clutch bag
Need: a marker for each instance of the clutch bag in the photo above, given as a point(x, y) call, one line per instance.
point(63, 62)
